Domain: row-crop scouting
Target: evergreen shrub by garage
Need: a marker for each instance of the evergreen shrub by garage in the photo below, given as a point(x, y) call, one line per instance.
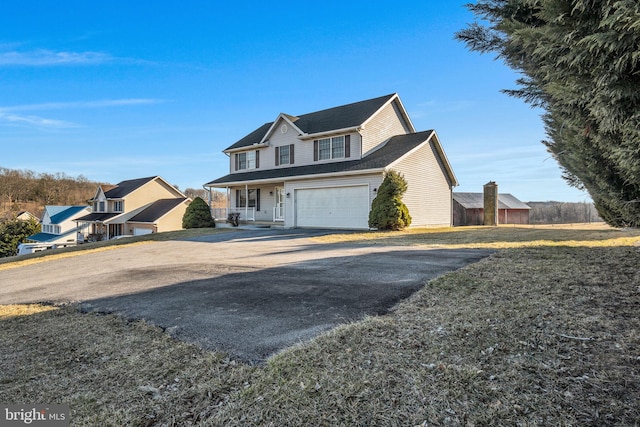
point(198, 215)
point(388, 212)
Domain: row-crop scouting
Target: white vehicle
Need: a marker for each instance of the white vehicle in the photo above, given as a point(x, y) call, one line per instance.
point(32, 248)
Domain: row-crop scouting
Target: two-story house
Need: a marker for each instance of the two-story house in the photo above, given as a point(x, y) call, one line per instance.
point(323, 169)
point(135, 207)
point(58, 225)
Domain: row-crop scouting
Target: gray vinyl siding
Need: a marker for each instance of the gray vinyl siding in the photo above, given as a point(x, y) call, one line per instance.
point(303, 149)
point(267, 201)
point(387, 123)
point(372, 180)
point(429, 191)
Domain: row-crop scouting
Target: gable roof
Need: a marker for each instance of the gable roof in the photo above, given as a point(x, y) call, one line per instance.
point(156, 210)
point(476, 201)
point(392, 151)
point(126, 187)
point(337, 118)
point(65, 213)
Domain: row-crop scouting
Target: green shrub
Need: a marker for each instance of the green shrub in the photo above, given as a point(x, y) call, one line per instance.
point(198, 215)
point(388, 212)
point(13, 232)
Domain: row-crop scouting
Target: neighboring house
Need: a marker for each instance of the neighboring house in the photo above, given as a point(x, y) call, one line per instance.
point(58, 225)
point(26, 216)
point(323, 169)
point(135, 207)
point(468, 209)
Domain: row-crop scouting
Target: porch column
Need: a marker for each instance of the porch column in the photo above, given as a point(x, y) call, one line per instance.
point(246, 202)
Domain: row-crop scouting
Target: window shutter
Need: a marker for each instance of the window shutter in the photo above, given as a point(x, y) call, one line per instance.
point(315, 150)
point(257, 159)
point(277, 156)
point(237, 161)
point(257, 200)
point(347, 145)
point(291, 153)
point(238, 199)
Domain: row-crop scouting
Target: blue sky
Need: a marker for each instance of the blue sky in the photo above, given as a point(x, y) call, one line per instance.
point(120, 90)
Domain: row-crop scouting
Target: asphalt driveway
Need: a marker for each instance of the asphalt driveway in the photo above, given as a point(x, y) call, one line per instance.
point(249, 292)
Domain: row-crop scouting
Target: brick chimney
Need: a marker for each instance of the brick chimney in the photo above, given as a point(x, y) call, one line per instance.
point(491, 203)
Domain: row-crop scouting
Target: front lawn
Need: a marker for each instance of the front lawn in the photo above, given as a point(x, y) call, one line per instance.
point(537, 334)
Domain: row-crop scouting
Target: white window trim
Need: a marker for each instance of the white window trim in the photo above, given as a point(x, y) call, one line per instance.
point(331, 141)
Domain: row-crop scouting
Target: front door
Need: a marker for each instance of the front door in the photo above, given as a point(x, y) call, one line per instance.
point(278, 210)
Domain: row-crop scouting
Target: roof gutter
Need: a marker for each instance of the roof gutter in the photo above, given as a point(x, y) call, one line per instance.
point(247, 147)
point(306, 136)
point(294, 178)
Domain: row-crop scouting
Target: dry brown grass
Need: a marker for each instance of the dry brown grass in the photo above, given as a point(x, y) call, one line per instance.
point(503, 237)
point(545, 335)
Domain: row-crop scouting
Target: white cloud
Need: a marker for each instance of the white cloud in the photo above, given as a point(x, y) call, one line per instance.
point(37, 121)
point(44, 57)
point(83, 104)
point(8, 114)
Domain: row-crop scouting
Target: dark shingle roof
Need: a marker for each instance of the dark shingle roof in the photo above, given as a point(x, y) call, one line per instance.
point(96, 217)
point(476, 201)
point(344, 116)
point(156, 210)
point(126, 187)
point(395, 148)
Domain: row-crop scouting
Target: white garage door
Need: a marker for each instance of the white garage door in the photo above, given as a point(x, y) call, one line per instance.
point(141, 231)
point(342, 207)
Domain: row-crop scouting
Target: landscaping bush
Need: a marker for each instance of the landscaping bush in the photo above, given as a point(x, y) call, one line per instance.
point(388, 212)
point(198, 215)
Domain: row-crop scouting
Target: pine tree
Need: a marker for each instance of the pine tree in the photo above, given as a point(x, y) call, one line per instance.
point(581, 63)
point(198, 215)
point(388, 212)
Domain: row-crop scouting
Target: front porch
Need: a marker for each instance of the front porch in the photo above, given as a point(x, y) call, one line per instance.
point(257, 204)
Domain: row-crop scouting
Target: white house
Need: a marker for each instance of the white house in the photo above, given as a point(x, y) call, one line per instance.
point(323, 169)
point(58, 226)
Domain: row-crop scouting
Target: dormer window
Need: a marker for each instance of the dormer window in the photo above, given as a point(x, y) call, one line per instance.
point(247, 160)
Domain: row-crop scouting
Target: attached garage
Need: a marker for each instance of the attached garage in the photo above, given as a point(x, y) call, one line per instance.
point(138, 231)
point(336, 207)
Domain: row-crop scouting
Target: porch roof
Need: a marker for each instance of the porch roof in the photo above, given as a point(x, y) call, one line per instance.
point(50, 237)
point(96, 217)
point(394, 149)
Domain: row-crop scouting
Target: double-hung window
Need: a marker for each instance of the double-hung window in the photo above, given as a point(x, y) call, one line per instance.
point(117, 206)
point(249, 198)
point(284, 155)
point(337, 147)
point(247, 160)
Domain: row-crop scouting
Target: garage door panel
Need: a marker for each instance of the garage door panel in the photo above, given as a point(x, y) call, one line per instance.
point(342, 207)
point(142, 231)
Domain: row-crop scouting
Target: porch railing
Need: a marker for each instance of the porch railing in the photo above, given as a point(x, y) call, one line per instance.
point(278, 213)
point(246, 214)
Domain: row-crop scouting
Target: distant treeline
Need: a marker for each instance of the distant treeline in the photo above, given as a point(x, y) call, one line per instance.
point(562, 213)
point(26, 190)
